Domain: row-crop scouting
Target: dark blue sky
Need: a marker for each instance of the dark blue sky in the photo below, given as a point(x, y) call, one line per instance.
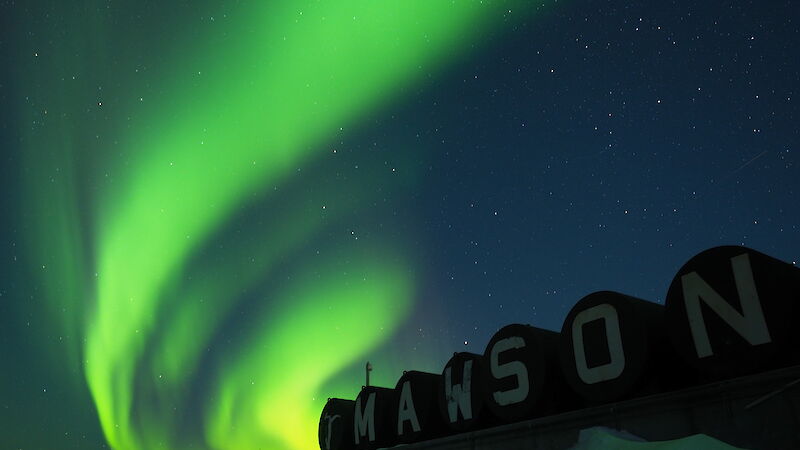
point(600, 146)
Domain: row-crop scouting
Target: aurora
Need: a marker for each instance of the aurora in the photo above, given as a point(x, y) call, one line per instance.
point(147, 283)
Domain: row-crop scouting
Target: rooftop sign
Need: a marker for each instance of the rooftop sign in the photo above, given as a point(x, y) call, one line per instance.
point(727, 313)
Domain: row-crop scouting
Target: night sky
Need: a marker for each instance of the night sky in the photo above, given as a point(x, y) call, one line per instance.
point(214, 213)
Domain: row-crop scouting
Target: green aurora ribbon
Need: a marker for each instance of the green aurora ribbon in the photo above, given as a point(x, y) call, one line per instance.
point(130, 203)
